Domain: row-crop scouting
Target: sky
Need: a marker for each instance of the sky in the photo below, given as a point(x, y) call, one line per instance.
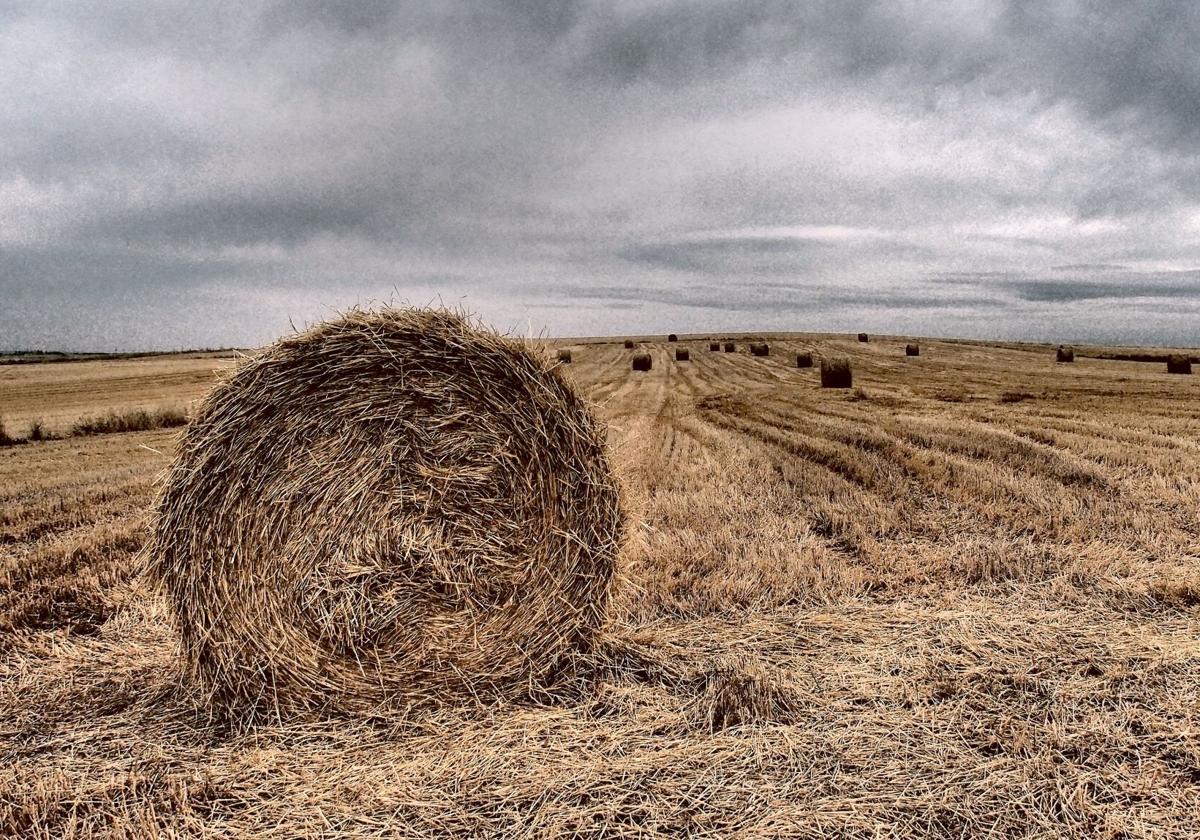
point(184, 174)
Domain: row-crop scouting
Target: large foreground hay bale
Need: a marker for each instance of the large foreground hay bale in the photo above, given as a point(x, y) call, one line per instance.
point(642, 361)
point(912, 350)
point(1179, 363)
point(682, 355)
point(835, 373)
point(1064, 354)
point(760, 349)
point(388, 509)
point(804, 360)
point(564, 356)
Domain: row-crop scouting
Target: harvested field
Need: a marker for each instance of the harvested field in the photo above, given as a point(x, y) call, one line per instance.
point(959, 600)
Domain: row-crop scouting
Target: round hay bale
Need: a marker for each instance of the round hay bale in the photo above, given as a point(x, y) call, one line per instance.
point(912, 350)
point(863, 337)
point(730, 347)
point(835, 373)
point(760, 349)
point(564, 356)
point(682, 355)
point(386, 510)
point(1064, 354)
point(1179, 363)
point(804, 360)
point(642, 361)
point(714, 347)
point(629, 344)
point(672, 337)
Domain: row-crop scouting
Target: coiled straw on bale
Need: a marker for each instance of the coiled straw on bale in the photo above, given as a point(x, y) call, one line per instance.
point(392, 508)
point(835, 373)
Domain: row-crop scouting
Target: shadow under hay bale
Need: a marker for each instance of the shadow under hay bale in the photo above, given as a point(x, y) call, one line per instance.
point(642, 361)
point(628, 344)
point(863, 337)
point(392, 509)
point(760, 349)
point(730, 347)
point(672, 337)
point(1064, 354)
point(564, 356)
point(835, 373)
point(682, 355)
point(714, 347)
point(804, 360)
point(1178, 363)
point(912, 350)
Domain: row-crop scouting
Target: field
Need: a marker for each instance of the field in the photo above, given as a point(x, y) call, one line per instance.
point(961, 599)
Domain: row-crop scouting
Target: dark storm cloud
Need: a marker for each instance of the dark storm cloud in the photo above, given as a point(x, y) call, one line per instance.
point(846, 150)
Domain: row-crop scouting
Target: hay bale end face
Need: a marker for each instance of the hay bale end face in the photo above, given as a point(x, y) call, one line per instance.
point(714, 347)
point(672, 337)
point(835, 373)
point(863, 337)
point(760, 349)
point(804, 360)
point(385, 511)
point(730, 347)
point(682, 355)
point(1179, 363)
point(1064, 354)
point(642, 361)
point(564, 356)
point(912, 350)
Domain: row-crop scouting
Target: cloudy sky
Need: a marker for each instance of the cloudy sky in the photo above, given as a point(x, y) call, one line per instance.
point(191, 173)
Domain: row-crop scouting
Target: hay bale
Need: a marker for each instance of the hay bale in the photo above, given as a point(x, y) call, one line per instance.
point(714, 347)
point(390, 509)
point(912, 350)
point(730, 347)
point(1065, 354)
point(672, 337)
point(804, 360)
point(863, 337)
point(564, 356)
point(682, 355)
point(642, 361)
point(835, 373)
point(760, 349)
point(629, 344)
point(1179, 363)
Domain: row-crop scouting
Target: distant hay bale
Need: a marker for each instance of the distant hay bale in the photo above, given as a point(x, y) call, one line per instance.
point(714, 347)
point(730, 347)
point(642, 361)
point(672, 337)
point(628, 344)
point(564, 356)
point(912, 350)
point(1179, 363)
point(835, 373)
point(760, 349)
point(387, 510)
point(804, 360)
point(1065, 354)
point(863, 337)
point(682, 355)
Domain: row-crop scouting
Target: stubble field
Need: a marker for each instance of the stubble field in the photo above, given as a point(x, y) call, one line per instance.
point(961, 599)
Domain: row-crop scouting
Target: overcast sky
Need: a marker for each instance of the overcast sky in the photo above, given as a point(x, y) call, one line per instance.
point(192, 173)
